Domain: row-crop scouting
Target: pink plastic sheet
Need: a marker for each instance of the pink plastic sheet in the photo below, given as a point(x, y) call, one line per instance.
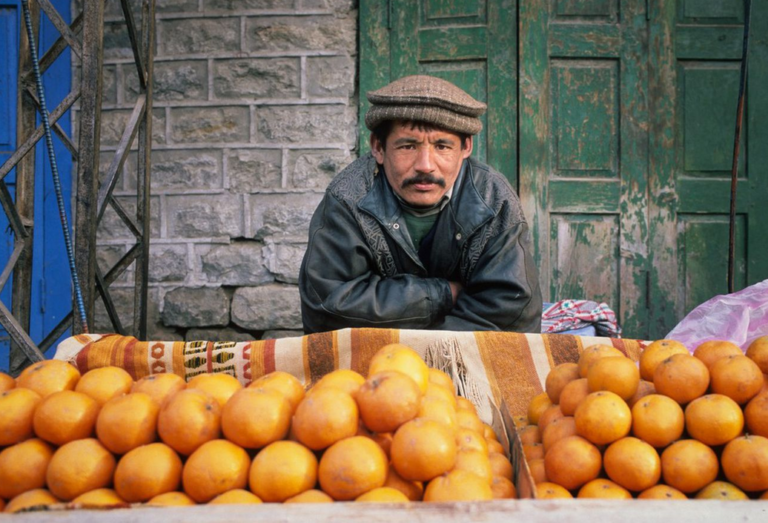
point(740, 318)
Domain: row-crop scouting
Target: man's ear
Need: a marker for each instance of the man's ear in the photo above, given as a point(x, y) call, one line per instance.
point(377, 149)
point(467, 151)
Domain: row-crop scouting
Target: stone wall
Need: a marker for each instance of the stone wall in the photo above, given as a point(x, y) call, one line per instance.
point(254, 113)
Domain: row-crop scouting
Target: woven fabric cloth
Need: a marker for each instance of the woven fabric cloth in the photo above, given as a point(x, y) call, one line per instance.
point(428, 99)
point(576, 314)
point(486, 366)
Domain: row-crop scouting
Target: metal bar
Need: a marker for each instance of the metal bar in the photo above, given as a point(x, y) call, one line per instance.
point(60, 25)
point(19, 336)
point(59, 46)
point(736, 140)
point(38, 133)
point(18, 247)
point(57, 331)
point(66, 140)
point(109, 305)
point(125, 217)
point(113, 173)
point(14, 218)
point(89, 146)
point(137, 52)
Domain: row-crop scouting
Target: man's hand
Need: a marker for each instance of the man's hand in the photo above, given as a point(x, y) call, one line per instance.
point(456, 288)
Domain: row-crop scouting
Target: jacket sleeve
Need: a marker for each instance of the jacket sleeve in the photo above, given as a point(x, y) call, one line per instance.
point(340, 286)
point(503, 290)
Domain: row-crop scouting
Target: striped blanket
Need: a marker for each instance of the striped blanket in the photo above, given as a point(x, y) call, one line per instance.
point(486, 366)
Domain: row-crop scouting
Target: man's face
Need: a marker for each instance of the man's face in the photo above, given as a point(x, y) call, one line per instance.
point(421, 165)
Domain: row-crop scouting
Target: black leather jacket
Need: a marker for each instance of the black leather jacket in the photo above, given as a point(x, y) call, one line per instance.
point(361, 269)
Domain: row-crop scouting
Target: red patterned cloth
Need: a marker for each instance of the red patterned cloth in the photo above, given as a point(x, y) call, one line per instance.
point(575, 314)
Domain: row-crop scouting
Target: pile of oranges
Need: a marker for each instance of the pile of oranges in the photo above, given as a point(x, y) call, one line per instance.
point(101, 439)
point(674, 425)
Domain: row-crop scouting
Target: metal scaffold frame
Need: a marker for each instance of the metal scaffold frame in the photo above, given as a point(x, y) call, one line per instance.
point(84, 36)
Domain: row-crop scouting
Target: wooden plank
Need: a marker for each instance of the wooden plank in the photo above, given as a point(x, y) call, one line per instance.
point(456, 43)
point(138, 60)
point(584, 40)
point(404, 39)
point(712, 196)
point(61, 26)
point(718, 42)
point(577, 195)
point(374, 59)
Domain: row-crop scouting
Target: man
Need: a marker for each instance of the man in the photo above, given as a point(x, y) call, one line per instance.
point(417, 234)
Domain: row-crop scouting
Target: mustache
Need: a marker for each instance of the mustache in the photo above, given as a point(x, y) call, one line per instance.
point(422, 178)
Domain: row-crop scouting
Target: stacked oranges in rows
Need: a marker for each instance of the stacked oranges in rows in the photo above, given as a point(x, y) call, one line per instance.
point(101, 439)
point(674, 425)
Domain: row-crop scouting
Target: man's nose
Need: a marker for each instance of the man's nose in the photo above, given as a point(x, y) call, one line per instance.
point(424, 160)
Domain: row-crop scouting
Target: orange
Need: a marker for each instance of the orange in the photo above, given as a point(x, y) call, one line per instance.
point(48, 376)
point(756, 415)
point(572, 462)
point(557, 430)
point(758, 352)
point(469, 439)
point(147, 471)
point(549, 490)
point(396, 356)
point(520, 421)
point(236, 497)
point(530, 434)
point(593, 353)
point(474, 461)
point(79, 466)
point(745, 463)
point(644, 388)
point(688, 465)
point(632, 463)
point(615, 374)
point(572, 395)
point(603, 488)
point(413, 490)
point(324, 417)
point(214, 468)
point(713, 419)
point(439, 392)
point(126, 422)
point(438, 410)
point(160, 386)
point(533, 451)
point(31, 498)
point(17, 409)
point(439, 377)
point(171, 499)
point(6, 382)
point(286, 384)
point(602, 418)
point(65, 416)
point(188, 419)
point(100, 497)
point(738, 377)
point(383, 439)
point(311, 496)
point(464, 404)
point(558, 378)
point(255, 417)
point(500, 465)
point(661, 491)
point(458, 485)
point(219, 385)
point(658, 420)
point(657, 352)
point(383, 495)
point(423, 449)
point(467, 419)
point(538, 472)
point(105, 383)
point(495, 446)
point(711, 351)
point(388, 399)
point(282, 470)
point(502, 488)
point(489, 433)
point(352, 467)
point(23, 466)
point(681, 377)
point(552, 413)
point(722, 490)
point(539, 403)
point(345, 379)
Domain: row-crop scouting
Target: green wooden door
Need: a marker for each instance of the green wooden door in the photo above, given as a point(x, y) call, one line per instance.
point(583, 150)
point(472, 43)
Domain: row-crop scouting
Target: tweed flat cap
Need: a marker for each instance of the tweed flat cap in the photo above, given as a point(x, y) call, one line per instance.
point(427, 99)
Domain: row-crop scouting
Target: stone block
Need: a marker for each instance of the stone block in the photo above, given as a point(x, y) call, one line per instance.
point(251, 169)
point(225, 334)
point(196, 307)
point(185, 170)
point(277, 215)
point(122, 299)
point(329, 76)
point(209, 124)
point(237, 5)
point(109, 85)
point(204, 216)
point(284, 260)
point(338, 6)
point(155, 328)
point(107, 256)
point(277, 334)
point(268, 307)
point(257, 78)
point(314, 169)
point(113, 123)
point(168, 262)
point(237, 264)
point(198, 35)
point(177, 6)
point(315, 33)
point(117, 43)
point(306, 123)
point(174, 80)
point(111, 227)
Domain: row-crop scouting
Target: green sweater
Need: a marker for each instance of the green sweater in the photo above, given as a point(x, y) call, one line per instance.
point(419, 226)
